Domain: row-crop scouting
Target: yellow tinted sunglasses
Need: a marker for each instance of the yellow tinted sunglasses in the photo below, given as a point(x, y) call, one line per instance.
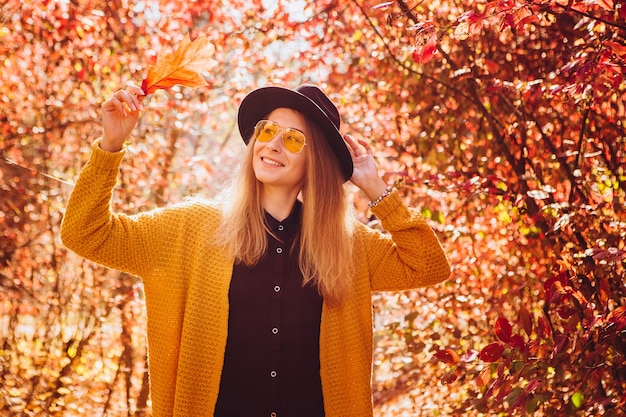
point(293, 139)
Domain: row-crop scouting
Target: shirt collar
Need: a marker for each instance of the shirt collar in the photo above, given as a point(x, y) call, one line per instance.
point(288, 227)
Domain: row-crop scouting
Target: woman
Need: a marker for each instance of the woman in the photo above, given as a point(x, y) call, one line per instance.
point(260, 307)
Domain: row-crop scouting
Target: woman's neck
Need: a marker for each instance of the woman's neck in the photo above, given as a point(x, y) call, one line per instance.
point(279, 204)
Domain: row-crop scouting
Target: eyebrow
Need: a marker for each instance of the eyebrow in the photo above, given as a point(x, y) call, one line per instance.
point(283, 127)
point(293, 128)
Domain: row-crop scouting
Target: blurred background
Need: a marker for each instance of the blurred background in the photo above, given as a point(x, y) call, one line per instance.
point(504, 122)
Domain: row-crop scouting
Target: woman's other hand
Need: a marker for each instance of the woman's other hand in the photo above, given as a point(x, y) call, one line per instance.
point(119, 117)
point(365, 174)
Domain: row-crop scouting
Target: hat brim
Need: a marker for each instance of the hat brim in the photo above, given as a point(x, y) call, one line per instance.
point(262, 101)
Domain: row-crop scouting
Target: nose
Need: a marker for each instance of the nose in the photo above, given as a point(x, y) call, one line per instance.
point(276, 143)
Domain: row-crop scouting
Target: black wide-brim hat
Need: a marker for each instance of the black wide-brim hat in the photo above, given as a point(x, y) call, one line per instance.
point(308, 100)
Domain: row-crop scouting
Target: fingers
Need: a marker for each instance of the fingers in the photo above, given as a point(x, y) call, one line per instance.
point(366, 145)
point(135, 89)
point(119, 116)
point(129, 97)
point(113, 104)
point(351, 144)
point(126, 100)
point(357, 147)
point(136, 92)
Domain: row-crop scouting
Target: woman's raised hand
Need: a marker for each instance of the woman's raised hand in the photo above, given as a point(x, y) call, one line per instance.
point(365, 174)
point(119, 117)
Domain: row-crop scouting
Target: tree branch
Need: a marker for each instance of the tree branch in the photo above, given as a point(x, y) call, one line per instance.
point(567, 9)
point(401, 63)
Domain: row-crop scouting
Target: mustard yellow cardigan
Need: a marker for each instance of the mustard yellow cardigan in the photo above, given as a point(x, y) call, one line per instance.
point(186, 282)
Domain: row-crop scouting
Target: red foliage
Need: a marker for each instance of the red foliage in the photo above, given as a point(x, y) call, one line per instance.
point(505, 119)
point(425, 42)
point(503, 329)
point(447, 356)
point(617, 317)
point(492, 352)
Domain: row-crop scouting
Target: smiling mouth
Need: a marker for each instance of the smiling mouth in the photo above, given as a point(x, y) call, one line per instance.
point(271, 162)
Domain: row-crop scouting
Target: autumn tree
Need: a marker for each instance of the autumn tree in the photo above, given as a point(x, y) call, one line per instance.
point(73, 339)
point(511, 115)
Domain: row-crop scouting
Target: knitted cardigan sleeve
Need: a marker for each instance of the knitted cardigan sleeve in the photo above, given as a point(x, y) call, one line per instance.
point(130, 243)
point(409, 256)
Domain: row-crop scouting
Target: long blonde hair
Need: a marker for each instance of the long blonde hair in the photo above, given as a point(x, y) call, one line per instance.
point(326, 236)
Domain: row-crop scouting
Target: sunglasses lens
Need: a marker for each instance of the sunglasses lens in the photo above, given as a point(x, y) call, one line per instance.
point(294, 140)
point(266, 130)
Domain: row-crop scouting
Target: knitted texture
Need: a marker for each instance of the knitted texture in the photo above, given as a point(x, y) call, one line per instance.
point(186, 282)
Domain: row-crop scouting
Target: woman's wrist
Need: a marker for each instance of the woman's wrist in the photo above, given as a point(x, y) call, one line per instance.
point(110, 146)
point(385, 193)
point(374, 189)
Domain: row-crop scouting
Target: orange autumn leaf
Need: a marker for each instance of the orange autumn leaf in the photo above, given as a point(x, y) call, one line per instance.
point(182, 67)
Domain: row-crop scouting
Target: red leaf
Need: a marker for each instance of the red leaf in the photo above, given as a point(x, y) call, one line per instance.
point(492, 352)
point(469, 24)
point(447, 356)
point(559, 343)
point(609, 254)
point(543, 327)
point(501, 6)
point(425, 41)
point(560, 278)
point(565, 311)
point(517, 341)
point(469, 356)
point(527, 318)
point(533, 385)
point(578, 296)
point(180, 67)
point(503, 329)
point(521, 16)
point(483, 377)
point(425, 53)
point(504, 389)
point(605, 4)
point(527, 20)
point(516, 398)
point(450, 376)
point(604, 291)
point(491, 66)
point(557, 293)
point(618, 316)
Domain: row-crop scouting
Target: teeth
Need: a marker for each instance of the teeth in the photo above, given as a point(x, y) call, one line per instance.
point(272, 162)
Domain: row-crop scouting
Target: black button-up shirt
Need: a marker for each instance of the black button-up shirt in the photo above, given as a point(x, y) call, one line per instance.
point(271, 364)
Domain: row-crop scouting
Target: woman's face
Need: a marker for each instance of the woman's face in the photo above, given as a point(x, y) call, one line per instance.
point(274, 166)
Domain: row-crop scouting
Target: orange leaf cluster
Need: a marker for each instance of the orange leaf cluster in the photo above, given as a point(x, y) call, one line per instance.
point(182, 67)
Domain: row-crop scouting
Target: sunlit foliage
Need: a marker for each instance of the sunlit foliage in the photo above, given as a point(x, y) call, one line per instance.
point(504, 121)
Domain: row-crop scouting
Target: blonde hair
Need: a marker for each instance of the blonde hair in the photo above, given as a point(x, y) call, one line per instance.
point(326, 235)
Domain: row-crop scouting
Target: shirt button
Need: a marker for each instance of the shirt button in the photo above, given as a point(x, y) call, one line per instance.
point(273, 374)
point(279, 250)
point(275, 330)
point(277, 288)
point(281, 227)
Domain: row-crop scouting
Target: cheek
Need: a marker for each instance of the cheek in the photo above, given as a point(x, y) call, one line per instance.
point(254, 152)
point(302, 166)
point(256, 148)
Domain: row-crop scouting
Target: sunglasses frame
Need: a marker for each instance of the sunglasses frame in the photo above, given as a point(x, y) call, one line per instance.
point(280, 128)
